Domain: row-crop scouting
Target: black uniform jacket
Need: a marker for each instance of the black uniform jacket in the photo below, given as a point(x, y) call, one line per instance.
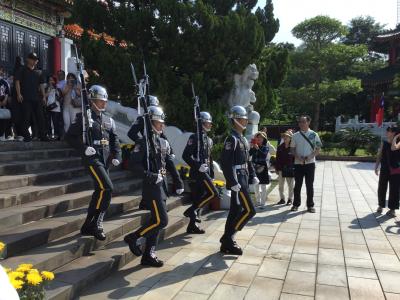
point(236, 153)
point(103, 130)
point(189, 155)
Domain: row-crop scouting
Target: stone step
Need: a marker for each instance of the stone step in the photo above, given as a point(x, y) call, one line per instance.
point(26, 194)
point(28, 236)
point(61, 251)
point(24, 167)
point(19, 155)
point(75, 276)
point(34, 211)
point(19, 146)
point(15, 181)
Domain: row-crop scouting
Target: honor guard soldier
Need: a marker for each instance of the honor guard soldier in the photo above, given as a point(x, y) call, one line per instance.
point(201, 173)
point(135, 133)
point(105, 150)
point(239, 172)
point(154, 191)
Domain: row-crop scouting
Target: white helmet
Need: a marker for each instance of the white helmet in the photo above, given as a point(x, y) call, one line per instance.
point(97, 92)
point(156, 114)
point(238, 112)
point(205, 117)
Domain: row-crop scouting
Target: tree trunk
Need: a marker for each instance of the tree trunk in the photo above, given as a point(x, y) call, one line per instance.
point(316, 113)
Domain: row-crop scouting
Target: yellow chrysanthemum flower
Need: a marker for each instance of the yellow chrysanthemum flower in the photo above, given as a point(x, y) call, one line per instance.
point(16, 274)
point(47, 275)
point(2, 246)
point(17, 284)
point(24, 267)
point(34, 278)
point(36, 271)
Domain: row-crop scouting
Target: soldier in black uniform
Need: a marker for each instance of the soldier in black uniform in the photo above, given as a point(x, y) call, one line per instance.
point(135, 133)
point(154, 191)
point(239, 172)
point(204, 189)
point(105, 150)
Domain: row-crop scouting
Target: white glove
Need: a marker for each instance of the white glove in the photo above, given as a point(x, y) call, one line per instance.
point(236, 188)
point(256, 180)
point(179, 191)
point(159, 178)
point(115, 162)
point(90, 151)
point(203, 168)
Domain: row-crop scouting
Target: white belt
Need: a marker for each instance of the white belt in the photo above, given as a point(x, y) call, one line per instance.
point(102, 142)
point(240, 167)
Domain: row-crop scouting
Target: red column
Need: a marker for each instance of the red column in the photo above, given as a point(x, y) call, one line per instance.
point(374, 108)
point(56, 55)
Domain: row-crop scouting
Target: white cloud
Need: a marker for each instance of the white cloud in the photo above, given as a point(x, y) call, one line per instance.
point(292, 12)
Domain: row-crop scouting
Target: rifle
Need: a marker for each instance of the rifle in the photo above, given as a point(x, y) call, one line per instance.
point(87, 121)
point(151, 150)
point(199, 128)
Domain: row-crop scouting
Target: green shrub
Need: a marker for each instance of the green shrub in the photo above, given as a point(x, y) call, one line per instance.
point(352, 139)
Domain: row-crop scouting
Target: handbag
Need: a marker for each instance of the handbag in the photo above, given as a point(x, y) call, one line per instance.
point(288, 171)
point(52, 106)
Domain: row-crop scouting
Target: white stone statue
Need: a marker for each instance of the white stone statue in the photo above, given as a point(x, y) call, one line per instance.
point(242, 94)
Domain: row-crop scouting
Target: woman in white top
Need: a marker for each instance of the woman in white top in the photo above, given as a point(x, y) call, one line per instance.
point(72, 102)
point(53, 109)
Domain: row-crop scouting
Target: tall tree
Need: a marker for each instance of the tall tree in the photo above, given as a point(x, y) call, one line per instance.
point(317, 34)
point(202, 41)
point(362, 30)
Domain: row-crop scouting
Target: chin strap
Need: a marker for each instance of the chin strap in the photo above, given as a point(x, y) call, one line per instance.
point(206, 129)
point(101, 110)
point(156, 131)
point(238, 124)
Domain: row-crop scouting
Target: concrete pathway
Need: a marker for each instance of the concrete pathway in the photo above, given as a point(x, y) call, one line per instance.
point(344, 251)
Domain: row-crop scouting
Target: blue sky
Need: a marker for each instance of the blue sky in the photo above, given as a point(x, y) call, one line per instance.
point(292, 12)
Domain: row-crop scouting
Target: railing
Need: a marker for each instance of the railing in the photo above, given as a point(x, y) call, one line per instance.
point(356, 124)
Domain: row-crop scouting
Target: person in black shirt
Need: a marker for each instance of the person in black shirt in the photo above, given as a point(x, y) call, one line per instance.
point(384, 171)
point(30, 92)
point(394, 167)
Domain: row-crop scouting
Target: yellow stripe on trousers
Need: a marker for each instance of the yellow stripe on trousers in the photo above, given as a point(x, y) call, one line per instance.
point(246, 204)
point(157, 220)
point(101, 186)
point(209, 198)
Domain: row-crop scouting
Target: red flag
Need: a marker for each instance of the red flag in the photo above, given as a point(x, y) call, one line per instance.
point(379, 115)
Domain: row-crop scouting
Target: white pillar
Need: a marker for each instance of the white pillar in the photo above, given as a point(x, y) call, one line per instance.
point(66, 52)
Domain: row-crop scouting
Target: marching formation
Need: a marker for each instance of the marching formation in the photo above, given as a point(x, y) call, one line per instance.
point(93, 135)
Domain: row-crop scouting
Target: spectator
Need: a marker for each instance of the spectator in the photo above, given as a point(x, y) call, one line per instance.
point(394, 166)
point(383, 172)
point(16, 107)
point(30, 92)
point(306, 145)
point(284, 166)
point(53, 109)
point(260, 151)
point(61, 79)
point(72, 102)
point(5, 124)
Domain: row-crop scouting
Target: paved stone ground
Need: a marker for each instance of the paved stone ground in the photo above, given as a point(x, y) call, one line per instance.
point(344, 251)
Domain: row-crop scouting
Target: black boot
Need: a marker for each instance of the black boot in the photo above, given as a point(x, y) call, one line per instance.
point(151, 260)
point(194, 229)
point(98, 231)
point(190, 213)
point(131, 240)
point(228, 246)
